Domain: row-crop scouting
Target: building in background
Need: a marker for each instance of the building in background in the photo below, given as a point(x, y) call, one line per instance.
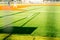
point(29, 1)
point(32, 1)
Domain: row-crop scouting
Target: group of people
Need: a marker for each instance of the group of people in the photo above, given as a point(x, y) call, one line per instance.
point(14, 1)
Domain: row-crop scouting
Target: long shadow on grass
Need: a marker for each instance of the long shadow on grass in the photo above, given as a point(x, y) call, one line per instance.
point(34, 15)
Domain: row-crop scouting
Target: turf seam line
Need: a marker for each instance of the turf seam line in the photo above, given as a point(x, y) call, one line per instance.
point(34, 15)
point(18, 20)
point(15, 21)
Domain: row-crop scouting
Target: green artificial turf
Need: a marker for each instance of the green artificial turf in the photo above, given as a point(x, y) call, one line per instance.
point(45, 18)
